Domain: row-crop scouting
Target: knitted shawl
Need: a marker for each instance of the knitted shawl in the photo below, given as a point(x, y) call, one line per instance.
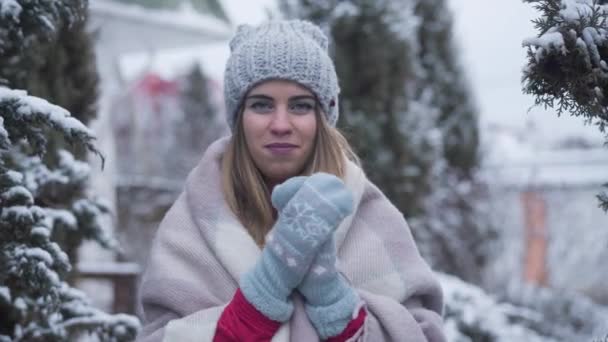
point(201, 250)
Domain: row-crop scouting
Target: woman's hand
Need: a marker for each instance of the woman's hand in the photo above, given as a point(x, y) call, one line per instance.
point(330, 300)
point(309, 211)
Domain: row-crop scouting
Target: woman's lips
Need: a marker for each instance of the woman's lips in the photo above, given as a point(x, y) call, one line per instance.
point(281, 148)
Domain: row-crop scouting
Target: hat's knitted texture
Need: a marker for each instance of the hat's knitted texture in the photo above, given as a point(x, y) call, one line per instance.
point(292, 50)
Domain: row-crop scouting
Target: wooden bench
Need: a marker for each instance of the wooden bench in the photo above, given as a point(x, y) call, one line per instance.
point(123, 276)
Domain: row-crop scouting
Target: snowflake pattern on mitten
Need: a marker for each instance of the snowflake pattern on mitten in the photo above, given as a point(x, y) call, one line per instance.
point(309, 219)
point(306, 223)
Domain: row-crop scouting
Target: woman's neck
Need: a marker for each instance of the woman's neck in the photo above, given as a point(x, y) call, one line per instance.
point(271, 183)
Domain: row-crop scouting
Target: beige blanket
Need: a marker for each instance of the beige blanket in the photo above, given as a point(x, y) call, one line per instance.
point(201, 250)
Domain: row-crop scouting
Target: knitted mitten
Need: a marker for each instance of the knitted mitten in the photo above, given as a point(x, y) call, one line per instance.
point(309, 210)
point(330, 300)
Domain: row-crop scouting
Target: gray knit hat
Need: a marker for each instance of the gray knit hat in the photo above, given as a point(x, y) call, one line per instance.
point(291, 50)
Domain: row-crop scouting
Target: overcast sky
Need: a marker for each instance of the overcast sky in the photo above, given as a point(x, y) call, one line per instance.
point(489, 35)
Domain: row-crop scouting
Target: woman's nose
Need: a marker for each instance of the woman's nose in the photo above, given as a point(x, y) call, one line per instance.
point(280, 124)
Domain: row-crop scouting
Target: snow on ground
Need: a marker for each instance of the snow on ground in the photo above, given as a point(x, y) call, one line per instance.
point(468, 306)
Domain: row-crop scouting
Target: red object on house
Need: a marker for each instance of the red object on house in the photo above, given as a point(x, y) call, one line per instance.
point(155, 90)
point(153, 85)
point(535, 216)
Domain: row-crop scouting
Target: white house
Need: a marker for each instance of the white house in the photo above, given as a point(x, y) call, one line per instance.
point(123, 29)
point(544, 200)
point(127, 29)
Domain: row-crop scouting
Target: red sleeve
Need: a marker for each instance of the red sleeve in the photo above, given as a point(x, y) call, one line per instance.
point(351, 329)
point(242, 322)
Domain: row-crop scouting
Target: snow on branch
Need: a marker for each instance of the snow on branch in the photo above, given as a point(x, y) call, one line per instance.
point(567, 67)
point(10, 9)
point(24, 117)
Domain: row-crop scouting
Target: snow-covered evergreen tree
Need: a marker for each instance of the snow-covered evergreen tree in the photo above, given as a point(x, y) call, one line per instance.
point(36, 304)
point(439, 58)
point(50, 54)
point(452, 218)
point(43, 188)
point(26, 29)
point(567, 65)
point(198, 126)
point(67, 74)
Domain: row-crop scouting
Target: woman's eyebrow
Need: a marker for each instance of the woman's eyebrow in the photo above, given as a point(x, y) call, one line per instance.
point(259, 96)
point(302, 97)
point(266, 97)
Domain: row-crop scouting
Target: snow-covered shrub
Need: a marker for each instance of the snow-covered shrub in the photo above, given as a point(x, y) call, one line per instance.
point(36, 304)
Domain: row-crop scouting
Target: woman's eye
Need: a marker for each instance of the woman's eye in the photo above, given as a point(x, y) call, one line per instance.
point(301, 107)
point(262, 107)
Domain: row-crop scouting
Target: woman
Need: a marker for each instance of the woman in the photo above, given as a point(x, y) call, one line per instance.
point(278, 234)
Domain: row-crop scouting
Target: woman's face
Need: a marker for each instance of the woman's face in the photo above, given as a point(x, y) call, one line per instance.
point(279, 123)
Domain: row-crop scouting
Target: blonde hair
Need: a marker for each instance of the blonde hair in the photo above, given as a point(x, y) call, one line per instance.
point(244, 188)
